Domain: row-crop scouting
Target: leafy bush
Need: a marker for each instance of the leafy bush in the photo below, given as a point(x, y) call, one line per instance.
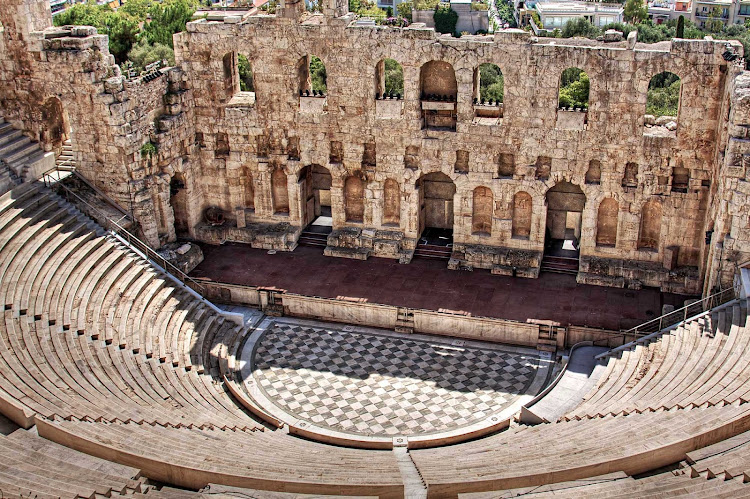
point(505, 12)
point(426, 4)
point(144, 54)
point(579, 27)
point(574, 89)
point(318, 76)
point(245, 73)
point(491, 83)
point(445, 20)
point(148, 150)
point(404, 10)
point(663, 95)
point(394, 77)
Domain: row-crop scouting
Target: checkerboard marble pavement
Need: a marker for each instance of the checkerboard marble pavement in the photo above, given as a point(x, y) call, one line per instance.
point(382, 385)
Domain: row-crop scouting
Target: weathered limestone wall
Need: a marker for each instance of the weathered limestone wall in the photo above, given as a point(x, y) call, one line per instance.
point(273, 133)
point(107, 117)
point(647, 199)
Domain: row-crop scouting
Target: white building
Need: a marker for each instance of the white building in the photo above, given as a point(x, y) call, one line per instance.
point(554, 15)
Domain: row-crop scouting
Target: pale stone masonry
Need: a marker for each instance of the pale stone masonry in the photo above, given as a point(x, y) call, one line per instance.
point(389, 168)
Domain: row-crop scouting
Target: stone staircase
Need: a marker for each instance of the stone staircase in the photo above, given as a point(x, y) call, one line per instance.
point(25, 158)
point(65, 159)
point(433, 251)
point(315, 239)
point(559, 264)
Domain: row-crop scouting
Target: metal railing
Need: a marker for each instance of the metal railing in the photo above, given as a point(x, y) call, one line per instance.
point(682, 314)
point(125, 235)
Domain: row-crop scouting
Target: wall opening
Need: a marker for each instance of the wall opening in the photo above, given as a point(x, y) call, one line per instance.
point(55, 124)
point(245, 74)
point(436, 191)
point(630, 177)
point(354, 199)
point(391, 202)
point(606, 223)
point(543, 167)
point(506, 165)
point(231, 79)
point(481, 214)
point(565, 203)
point(315, 192)
point(488, 93)
point(336, 152)
point(178, 202)
point(439, 93)
point(411, 157)
point(680, 179)
point(222, 145)
point(522, 206)
point(369, 154)
point(389, 80)
point(594, 173)
point(279, 192)
point(462, 162)
point(313, 77)
point(663, 105)
point(650, 230)
point(574, 89)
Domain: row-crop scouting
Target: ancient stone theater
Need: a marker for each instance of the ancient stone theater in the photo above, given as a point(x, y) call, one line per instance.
point(211, 272)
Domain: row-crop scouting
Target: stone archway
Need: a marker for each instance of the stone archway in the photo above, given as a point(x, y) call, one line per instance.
point(315, 195)
point(565, 203)
point(436, 191)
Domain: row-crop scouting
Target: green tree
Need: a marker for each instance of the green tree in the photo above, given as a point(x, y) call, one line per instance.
point(491, 83)
point(121, 28)
point(579, 27)
point(635, 11)
point(681, 27)
point(574, 89)
point(318, 76)
point(715, 24)
point(404, 10)
point(663, 95)
point(445, 20)
point(168, 18)
point(143, 54)
point(394, 77)
point(245, 73)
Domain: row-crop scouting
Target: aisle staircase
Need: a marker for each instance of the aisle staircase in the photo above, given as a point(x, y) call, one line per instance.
point(25, 158)
point(559, 264)
point(315, 239)
point(433, 251)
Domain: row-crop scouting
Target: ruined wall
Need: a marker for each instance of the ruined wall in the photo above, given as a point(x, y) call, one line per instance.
point(246, 154)
point(339, 129)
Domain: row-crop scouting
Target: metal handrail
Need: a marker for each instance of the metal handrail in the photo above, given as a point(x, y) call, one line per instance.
point(127, 236)
point(682, 314)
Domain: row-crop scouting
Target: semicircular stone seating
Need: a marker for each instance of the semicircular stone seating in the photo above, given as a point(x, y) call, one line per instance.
point(102, 353)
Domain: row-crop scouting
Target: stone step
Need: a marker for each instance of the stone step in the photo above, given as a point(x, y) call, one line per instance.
point(13, 145)
point(8, 133)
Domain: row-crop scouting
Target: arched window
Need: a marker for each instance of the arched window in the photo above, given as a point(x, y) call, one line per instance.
point(522, 205)
point(664, 96)
point(594, 173)
point(354, 199)
point(389, 80)
point(630, 178)
point(481, 215)
point(650, 225)
point(279, 191)
point(391, 202)
point(488, 91)
point(313, 78)
point(606, 223)
point(439, 92)
point(574, 89)
point(245, 74)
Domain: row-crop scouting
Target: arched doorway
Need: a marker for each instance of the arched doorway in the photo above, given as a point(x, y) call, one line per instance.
point(178, 202)
point(565, 202)
point(436, 191)
point(315, 194)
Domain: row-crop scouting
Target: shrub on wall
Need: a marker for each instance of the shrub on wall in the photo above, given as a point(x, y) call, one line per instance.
point(445, 20)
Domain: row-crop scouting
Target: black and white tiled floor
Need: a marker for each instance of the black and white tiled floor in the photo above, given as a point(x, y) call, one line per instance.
point(383, 385)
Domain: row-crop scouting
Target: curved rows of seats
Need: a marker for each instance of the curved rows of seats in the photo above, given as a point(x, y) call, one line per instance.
point(94, 335)
point(702, 362)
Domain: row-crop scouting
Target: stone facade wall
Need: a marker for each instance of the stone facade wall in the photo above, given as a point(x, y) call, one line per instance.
point(246, 155)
